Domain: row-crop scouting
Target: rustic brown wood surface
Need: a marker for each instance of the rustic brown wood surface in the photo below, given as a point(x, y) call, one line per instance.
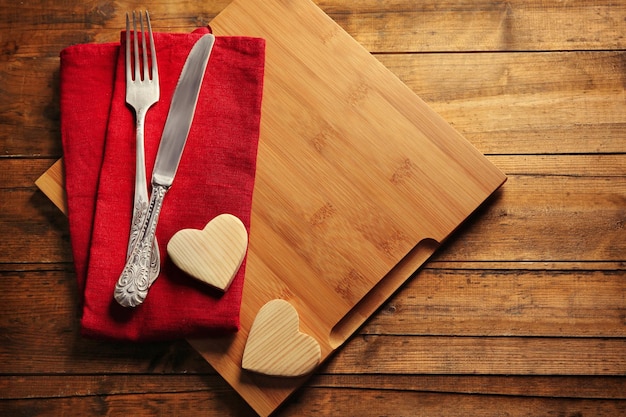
point(522, 313)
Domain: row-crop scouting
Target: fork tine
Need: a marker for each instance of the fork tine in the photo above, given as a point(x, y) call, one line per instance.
point(144, 50)
point(136, 51)
point(155, 71)
point(128, 63)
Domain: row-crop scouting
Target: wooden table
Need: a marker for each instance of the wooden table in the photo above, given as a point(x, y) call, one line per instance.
point(523, 312)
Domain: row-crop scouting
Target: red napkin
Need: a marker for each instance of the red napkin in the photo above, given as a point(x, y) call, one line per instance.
point(215, 176)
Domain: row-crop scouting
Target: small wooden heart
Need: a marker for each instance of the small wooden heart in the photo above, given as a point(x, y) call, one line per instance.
point(275, 345)
point(214, 254)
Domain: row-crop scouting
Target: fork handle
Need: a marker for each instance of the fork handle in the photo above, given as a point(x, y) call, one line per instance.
point(133, 284)
point(140, 202)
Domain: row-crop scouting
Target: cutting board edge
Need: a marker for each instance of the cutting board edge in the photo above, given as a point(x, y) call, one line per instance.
point(380, 293)
point(51, 183)
point(408, 267)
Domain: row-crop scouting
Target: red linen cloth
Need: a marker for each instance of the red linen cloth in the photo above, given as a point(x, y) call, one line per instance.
point(215, 176)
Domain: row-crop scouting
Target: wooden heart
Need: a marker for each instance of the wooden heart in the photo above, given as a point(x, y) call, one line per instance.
point(214, 254)
point(275, 345)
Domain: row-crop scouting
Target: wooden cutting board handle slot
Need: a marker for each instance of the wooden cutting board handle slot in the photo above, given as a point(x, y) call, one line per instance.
point(388, 285)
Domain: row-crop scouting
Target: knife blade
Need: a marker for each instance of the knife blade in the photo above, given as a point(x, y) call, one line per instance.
point(134, 281)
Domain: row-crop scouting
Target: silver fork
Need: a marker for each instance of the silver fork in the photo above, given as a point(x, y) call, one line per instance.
point(142, 91)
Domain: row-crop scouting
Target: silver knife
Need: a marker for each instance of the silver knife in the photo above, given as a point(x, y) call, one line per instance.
point(133, 284)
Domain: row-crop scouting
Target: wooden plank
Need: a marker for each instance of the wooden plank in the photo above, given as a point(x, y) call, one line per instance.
point(35, 230)
point(593, 165)
point(218, 403)
point(30, 109)
point(314, 402)
point(22, 172)
point(397, 26)
point(523, 266)
point(506, 303)
point(434, 26)
point(67, 385)
point(480, 355)
point(600, 387)
point(444, 77)
point(524, 103)
point(564, 218)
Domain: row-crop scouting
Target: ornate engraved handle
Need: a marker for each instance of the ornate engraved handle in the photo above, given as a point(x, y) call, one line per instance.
point(140, 201)
point(139, 214)
point(132, 287)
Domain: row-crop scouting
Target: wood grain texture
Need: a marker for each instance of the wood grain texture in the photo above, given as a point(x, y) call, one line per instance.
point(509, 103)
point(543, 98)
point(451, 26)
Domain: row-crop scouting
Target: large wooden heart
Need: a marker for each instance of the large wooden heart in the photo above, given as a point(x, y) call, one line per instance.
point(275, 345)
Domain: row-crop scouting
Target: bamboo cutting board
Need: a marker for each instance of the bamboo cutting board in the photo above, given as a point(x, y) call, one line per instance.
point(358, 182)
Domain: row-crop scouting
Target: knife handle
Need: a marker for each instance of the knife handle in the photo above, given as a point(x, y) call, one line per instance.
point(133, 284)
